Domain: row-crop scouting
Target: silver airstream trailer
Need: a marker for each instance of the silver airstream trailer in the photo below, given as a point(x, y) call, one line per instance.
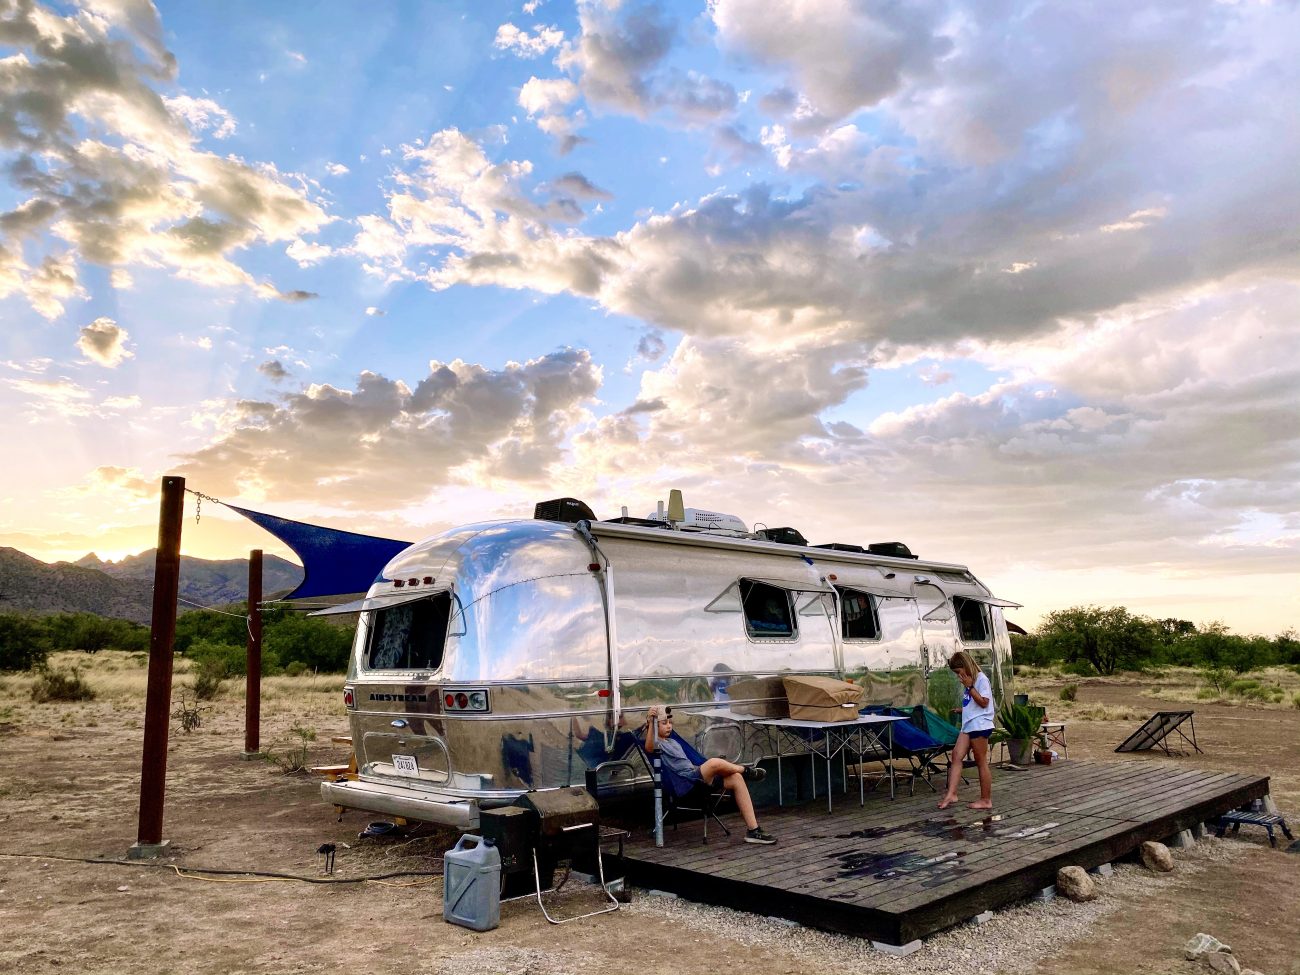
point(504, 657)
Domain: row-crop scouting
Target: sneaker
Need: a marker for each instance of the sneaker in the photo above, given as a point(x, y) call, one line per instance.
point(753, 773)
point(756, 835)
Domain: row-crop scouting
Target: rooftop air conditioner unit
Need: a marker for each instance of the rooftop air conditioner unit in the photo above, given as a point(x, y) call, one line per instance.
point(563, 509)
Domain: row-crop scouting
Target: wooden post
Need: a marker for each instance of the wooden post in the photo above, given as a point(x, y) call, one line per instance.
point(162, 636)
point(253, 691)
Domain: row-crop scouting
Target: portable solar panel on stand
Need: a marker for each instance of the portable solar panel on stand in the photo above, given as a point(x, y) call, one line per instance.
point(1157, 728)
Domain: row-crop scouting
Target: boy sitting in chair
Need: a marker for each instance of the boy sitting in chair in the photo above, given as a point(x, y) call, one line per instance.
point(659, 736)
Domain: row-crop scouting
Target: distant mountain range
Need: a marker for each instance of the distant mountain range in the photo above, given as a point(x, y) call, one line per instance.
point(125, 589)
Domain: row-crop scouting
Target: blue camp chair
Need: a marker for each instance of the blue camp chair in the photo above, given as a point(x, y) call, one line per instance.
point(912, 744)
point(688, 795)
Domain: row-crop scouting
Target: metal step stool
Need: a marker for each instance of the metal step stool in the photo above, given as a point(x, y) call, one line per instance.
point(1267, 820)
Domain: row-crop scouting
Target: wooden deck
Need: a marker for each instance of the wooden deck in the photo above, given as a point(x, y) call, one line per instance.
point(894, 871)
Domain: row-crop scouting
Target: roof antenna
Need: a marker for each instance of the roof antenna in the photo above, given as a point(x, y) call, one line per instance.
point(676, 510)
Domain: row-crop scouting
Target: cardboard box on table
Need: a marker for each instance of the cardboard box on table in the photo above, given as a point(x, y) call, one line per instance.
point(822, 698)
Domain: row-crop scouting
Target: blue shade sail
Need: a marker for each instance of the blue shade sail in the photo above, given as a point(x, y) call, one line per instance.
point(334, 562)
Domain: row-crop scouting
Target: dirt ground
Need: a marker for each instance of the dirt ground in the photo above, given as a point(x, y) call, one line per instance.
point(69, 781)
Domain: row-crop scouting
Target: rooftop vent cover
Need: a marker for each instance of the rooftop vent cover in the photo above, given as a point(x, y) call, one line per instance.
point(895, 549)
point(786, 536)
point(563, 509)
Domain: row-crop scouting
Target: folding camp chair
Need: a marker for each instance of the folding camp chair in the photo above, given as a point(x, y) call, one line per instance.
point(912, 745)
point(942, 732)
point(688, 795)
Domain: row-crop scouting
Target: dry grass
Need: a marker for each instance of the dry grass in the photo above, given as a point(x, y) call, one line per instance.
point(1272, 687)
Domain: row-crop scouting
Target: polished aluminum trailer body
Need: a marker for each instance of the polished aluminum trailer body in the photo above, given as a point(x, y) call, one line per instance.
point(505, 657)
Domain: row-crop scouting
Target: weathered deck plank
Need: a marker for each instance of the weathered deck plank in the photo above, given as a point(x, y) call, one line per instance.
point(901, 869)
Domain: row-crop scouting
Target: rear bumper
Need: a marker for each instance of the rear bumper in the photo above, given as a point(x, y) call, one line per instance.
point(391, 800)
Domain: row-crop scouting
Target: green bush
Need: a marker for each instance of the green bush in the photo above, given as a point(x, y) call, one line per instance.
point(1069, 692)
point(22, 642)
point(295, 668)
point(91, 633)
point(1216, 678)
point(1206, 694)
point(60, 685)
point(229, 660)
point(208, 678)
point(1243, 688)
point(318, 645)
point(292, 758)
point(1079, 668)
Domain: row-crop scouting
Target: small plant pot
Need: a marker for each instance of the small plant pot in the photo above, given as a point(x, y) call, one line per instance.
point(1019, 750)
point(1043, 758)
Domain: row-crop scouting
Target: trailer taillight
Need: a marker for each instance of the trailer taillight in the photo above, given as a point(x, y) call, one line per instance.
point(349, 698)
point(471, 699)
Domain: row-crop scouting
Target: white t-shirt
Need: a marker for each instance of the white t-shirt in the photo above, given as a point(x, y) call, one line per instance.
point(974, 717)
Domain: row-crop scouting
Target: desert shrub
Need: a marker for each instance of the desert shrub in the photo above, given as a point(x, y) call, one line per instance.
point(22, 642)
point(295, 669)
point(1069, 692)
point(212, 627)
point(1215, 678)
point(230, 660)
point(91, 633)
point(209, 675)
point(1243, 687)
point(318, 645)
point(60, 685)
point(1295, 700)
point(1206, 694)
point(291, 757)
point(190, 715)
point(1079, 668)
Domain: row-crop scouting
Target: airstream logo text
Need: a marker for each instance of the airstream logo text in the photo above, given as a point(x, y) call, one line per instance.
point(399, 697)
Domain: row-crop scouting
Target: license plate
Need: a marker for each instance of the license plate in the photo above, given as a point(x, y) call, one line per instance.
point(406, 765)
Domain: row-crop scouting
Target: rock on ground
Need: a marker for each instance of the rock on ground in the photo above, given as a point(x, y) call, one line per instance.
point(1223, 963)
point(1157, 857)
point(1203, 944)
point(1075, 884)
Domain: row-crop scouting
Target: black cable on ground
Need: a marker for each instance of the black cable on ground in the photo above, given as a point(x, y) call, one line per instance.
point(219, 872)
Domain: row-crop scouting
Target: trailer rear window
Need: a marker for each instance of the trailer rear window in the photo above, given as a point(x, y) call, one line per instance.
point(972, 620)
point(767, 610)
point(858, 620)
point(410, 636)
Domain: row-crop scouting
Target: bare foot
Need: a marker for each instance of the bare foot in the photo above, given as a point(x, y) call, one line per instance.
point(980, 804)
point(947, 801)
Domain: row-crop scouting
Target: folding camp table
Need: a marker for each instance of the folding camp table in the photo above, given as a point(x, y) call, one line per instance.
point(867, 735)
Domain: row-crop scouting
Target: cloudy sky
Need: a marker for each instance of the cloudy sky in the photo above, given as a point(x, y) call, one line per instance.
point(1016, 284)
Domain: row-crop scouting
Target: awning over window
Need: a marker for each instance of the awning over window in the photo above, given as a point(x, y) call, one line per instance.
point(994, 601)
point(377, 602)
point(876, 589)
point(728, 601)
point(944, 610)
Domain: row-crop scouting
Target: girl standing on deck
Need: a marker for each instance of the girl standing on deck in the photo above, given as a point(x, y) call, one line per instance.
point(976, 726)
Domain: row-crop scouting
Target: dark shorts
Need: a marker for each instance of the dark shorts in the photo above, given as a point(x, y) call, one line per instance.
point(982, 733)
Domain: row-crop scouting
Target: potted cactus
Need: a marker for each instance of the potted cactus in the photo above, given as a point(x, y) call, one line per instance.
point(1021, 725)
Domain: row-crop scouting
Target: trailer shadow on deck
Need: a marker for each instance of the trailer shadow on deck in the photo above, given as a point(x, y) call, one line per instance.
point(898, 870)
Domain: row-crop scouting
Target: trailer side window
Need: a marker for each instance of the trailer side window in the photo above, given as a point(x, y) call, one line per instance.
point(858, 619)
point(972, 620)
point(411, 636)
point(767, 610)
